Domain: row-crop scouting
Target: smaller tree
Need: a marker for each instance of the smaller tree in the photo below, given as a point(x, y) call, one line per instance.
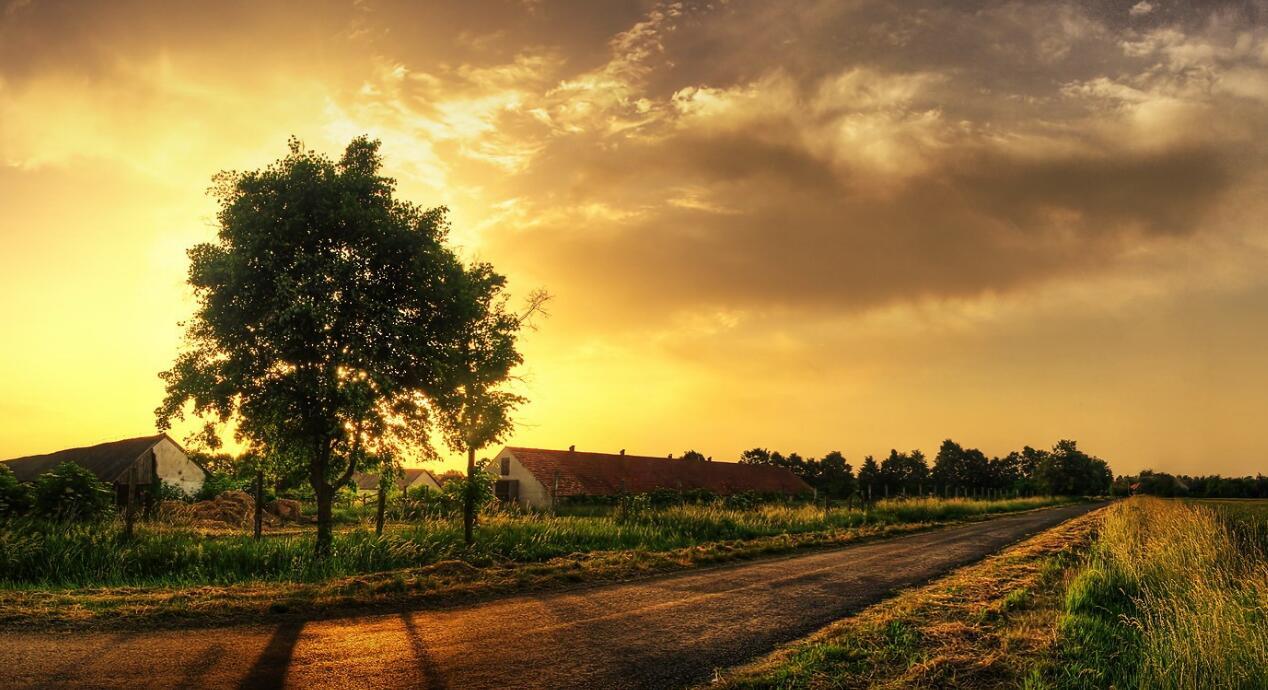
point(835, 476)
point(73, 494)
point(869, 476)
point(905, 472)
point(755, 456)
point(475, 411)
point(694, 455)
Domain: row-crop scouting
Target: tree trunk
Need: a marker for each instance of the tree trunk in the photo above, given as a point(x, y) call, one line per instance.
point(378, 518)
point(468, 507)
point(259, 503)
point(325, 520)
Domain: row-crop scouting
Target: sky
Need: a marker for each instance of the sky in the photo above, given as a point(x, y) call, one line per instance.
point(801, 225)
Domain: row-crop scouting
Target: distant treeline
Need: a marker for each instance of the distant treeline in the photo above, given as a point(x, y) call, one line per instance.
point(1065, 470)
point(1205, 486)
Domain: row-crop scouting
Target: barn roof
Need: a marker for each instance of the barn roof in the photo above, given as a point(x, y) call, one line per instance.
point(106, 460)
point(606, 474)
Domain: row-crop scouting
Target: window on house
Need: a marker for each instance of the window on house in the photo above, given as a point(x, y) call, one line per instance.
point(506, 466)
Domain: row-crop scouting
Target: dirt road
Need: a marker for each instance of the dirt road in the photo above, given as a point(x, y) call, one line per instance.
point(655, 633)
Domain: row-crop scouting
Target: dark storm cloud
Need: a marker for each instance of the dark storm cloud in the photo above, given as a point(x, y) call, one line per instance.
point(883, 156)
point(795, 235)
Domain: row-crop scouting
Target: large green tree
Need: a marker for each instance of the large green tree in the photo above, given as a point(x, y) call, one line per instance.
point(328, 316)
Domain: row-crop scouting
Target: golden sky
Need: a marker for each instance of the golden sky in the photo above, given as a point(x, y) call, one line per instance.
point(802, 225)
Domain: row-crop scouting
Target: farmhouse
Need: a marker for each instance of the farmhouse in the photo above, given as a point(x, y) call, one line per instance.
point(367, 483)
point(536, 477)
point(111, 462)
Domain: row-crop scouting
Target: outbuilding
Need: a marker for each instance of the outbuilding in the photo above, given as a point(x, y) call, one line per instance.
point(537, 477)
point(367, 483)
point(114, 463)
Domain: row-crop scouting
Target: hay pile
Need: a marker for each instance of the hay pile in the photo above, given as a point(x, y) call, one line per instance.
point(231, 508)
point(285, 509)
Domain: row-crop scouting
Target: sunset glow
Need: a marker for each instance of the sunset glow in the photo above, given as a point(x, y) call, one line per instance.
point(800, 225)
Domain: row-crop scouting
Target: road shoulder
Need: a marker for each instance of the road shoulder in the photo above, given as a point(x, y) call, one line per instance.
point(990, 624)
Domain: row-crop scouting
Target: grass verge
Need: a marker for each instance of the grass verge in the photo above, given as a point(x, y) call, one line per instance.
point(448, 579)
point(987, 625)
point(1173, 595)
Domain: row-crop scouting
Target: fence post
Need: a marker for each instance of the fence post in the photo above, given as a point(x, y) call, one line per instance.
point(151, 496)
point(259, 503)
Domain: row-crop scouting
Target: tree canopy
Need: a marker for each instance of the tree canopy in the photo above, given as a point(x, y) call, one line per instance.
point(329, 314)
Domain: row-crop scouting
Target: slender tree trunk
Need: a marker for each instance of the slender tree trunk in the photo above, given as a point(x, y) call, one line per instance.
point(378, 517)
point(259, 503)
point(468, 507)
point(325, 520)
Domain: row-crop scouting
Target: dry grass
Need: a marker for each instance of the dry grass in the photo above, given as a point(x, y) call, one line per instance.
point(1175, 595)
point(984, 626)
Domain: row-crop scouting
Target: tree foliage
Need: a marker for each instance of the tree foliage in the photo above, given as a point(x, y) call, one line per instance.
point(73, 494)
point(15, 497)
point(905, 473)
point(1065, 470)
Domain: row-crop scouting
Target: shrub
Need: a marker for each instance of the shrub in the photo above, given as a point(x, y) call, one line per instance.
point(171, 492)
point(72, 493)
point(480, 486)
point(634, 507)
point(15, 497)
point(218, 483)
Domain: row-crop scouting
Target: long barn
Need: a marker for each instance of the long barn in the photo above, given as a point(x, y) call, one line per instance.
point(537, 477)
point(112, 462)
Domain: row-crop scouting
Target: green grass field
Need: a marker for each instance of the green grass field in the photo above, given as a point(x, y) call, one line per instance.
point(44, 555)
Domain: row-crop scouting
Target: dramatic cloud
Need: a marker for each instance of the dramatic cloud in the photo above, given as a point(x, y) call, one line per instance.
point(776, 205)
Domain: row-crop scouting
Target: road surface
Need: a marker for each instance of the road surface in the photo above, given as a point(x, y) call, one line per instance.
point(661, 632)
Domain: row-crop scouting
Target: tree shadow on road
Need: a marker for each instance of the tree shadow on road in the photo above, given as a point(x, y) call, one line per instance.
point(432, 678)
point(269, 670)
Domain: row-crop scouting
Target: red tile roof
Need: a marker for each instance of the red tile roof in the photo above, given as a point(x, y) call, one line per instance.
point(606, 474)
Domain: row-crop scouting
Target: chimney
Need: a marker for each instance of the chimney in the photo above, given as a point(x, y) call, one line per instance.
point(572, 449)
point(622, 451)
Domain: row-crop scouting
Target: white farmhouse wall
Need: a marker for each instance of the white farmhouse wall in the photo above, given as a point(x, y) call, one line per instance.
point(531, 492)
point(174, 467)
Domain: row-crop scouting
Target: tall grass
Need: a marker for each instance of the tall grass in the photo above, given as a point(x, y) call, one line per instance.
point(1175, 595)
point(36, 554)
